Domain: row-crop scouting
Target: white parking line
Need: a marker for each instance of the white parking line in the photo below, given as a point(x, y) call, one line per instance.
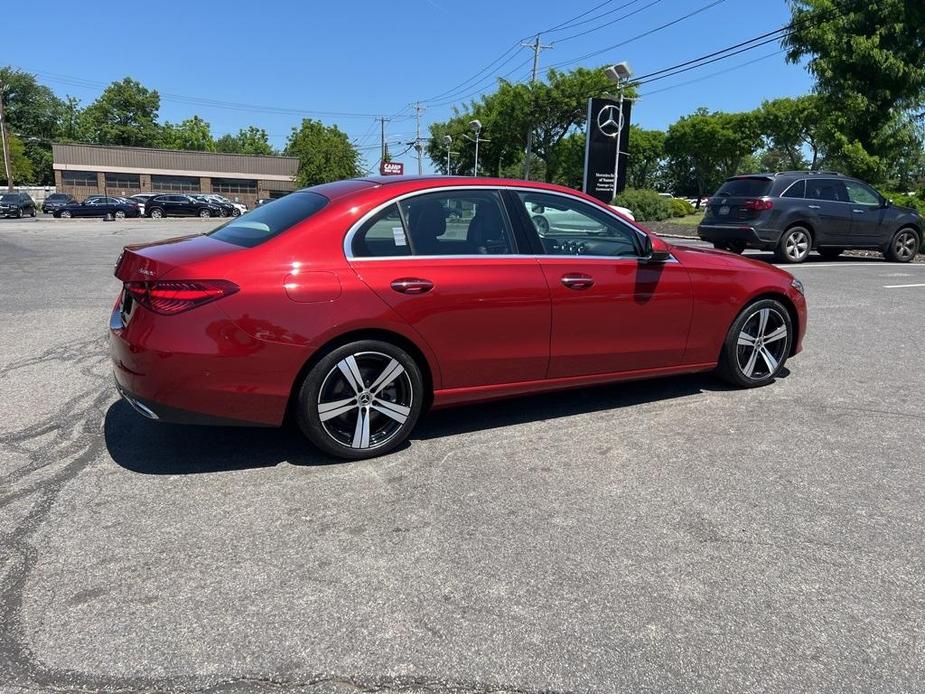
point(901, 286)
point(787, 266)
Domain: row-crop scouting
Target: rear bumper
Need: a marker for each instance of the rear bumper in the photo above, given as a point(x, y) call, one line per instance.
point(752, 236)
point(159, 412)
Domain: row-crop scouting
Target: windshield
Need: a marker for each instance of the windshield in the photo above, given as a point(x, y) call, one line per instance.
point(744, 188)
point(58, 196)
point(269, 220)
point(9, 198)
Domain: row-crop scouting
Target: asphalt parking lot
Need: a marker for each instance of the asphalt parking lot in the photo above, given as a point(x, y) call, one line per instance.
point(672, 535)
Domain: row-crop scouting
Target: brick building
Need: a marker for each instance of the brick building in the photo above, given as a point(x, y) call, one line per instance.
point(83, 170)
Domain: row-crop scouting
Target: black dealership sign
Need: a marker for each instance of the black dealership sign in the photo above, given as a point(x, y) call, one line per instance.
point(604, 124)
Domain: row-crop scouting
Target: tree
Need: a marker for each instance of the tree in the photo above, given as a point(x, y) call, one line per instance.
point(33, 113)
point(792, 124)
point(646, 157)
point(19, 163)
point(124, 114)
point(711, 146)
point(325, 153)
point(866, 58)
point(250, 140)
point(192, 134)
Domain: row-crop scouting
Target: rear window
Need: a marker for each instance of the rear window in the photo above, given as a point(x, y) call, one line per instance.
point(270, 219)
point(744, 188)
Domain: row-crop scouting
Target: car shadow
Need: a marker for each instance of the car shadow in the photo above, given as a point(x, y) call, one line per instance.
point(814, 258)
point(155, 448)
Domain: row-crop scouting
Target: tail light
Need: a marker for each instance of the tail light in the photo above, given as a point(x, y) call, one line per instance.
point(169, 297)
point(759, 204)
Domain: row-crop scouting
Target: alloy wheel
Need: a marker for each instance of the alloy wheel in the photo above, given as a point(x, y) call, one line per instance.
point(796, 246)
point(364, 400)
point(761, 344)
point(66, 214)
point(905, 245)
point(157, 214)
point(120, 214)
point(203, 214)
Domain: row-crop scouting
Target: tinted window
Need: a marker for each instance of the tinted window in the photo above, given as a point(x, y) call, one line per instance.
point(460, 222)
point(9, 197)
point(567, 226)
point(826, 189)
point(383, 235)
point(744, 188)
point(58, 196)
point(271, 219)
point(797, 190)
point(861, 194)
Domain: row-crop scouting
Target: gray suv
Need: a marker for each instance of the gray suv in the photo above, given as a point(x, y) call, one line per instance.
point(794, 212)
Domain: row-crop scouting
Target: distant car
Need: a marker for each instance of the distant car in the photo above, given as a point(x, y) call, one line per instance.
point(56, 200)
point(794, 212)
point(180, 206)
point(141, 199)
point(16, 205)
point(263, 201)
point(99, 206)
point(239, 206)
point(226, 207)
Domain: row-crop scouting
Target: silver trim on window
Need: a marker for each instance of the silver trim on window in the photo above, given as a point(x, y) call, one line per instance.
point(351, 232)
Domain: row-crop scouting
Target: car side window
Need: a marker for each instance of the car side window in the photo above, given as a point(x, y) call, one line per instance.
point(826, 189)
point(797, 190)
point(458, 222)
point(382, 236)
point(567, 226)
point(860, 194)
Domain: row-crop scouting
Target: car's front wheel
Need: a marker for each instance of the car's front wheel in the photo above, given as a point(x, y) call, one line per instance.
point(361, 400)
point(757, 345)
point(204, 214)
point(156, 213)
point(794, 245)
point(120, 214)
point(65, 215)
point(904, 246)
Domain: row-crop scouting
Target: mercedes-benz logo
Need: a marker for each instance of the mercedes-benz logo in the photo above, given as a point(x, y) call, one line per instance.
point(609, 120)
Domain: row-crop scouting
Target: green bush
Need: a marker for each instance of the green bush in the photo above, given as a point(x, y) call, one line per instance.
point(680, 208)
point(914, 201)
point(646, 205)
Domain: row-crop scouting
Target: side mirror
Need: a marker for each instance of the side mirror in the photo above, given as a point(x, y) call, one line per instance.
point(655, 250)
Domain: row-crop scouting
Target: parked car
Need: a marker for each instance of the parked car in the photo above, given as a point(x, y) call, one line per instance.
point(239, 206)
point(56, 200)
point(226, 207)
point(391, 306)
point(99, 206)
point(794, 212)
point(16, 204)
point(176, 205)
point(142, 199)
point(263, 201)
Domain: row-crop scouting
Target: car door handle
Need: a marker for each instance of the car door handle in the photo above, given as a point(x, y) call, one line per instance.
point(577, 280)
point(858, 211)
point(412, 285)
point(815, 207)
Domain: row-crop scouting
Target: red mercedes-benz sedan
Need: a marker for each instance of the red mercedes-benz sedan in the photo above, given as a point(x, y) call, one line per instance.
point(356, 305)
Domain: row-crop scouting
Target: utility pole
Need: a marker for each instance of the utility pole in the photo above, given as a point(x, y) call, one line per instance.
point(537, 47)
point(418, 143)
point(6, 145)
point(382, 150)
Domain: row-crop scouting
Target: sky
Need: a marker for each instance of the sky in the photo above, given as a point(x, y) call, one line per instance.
point(270, 63)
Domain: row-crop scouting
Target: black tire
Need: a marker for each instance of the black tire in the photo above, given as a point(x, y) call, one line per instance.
point(18, 213)
point(236, 212)
point(204, 214)
point(33, 213)
point(830, 252)
point(904, 246)
point(342, 434)
point(155, 213)
point(794, 245)
point(64, 215)
point(119, 214)
point(738, 355)
point(720, 245)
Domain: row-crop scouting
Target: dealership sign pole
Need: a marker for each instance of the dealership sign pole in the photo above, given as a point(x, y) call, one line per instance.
point(606, 143)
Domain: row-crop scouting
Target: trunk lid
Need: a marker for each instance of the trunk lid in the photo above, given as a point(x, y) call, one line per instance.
point(151, 261)
point(739, 199)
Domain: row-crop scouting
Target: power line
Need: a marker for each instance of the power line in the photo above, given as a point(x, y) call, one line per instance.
point(607, 24)
point(712, 74)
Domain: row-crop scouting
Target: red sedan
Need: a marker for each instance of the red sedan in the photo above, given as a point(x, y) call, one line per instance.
point(357, 305)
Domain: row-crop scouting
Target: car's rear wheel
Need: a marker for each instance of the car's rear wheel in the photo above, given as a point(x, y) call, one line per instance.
point(794, 245)
point(156, 213)
point(757, 345)
point(904, 246)
point(32, 214)
point(361, 400)
point(831, 252)
point(19, 213)
point(120, 214)
point(236, 212)
point(204, 214)
point(65, 214)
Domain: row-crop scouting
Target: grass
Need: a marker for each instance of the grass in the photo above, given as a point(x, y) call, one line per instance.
point(690, 220)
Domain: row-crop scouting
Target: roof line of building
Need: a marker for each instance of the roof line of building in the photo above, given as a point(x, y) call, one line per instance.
point(162, 149)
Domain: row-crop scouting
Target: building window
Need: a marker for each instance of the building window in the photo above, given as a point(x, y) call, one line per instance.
point(175, 184)
point(277, 194)
point(83, 179)
point(123, 181)
point(234, 185)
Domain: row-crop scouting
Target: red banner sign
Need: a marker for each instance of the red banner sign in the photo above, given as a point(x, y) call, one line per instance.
point(392, 168)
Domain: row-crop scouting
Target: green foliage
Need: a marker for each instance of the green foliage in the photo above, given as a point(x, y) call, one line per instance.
point(905, 200)
point(646, 157)
point(646, 205)
point(192, 134)
point(19, 163)
point(124, 114)
point(325, 153)
point(680, 207)
point(789, 125)
point(705, 148)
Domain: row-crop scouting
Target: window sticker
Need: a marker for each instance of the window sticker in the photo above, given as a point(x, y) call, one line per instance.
point(398, 233)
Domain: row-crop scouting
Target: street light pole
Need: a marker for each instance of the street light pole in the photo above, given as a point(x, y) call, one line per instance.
point(476, 127)
point(619, 74)
point(7, 165)
point(448, 141)
point(616, 162)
